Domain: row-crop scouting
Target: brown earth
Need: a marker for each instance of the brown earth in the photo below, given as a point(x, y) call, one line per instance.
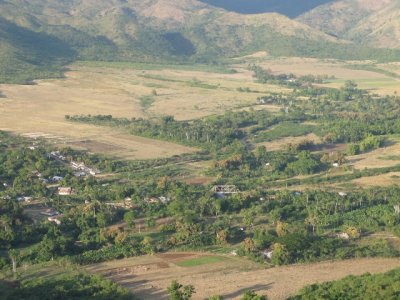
point(231, 277)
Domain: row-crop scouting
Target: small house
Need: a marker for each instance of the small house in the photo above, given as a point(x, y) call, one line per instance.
point(164, 200)
point(57, 178)
point(55, 219)
point(24, 198)
point(343, 236)
point(80, 174)
point(77, 166)
point(152, 200)
point(50, 212)
point(267, 254)
point(64, 191)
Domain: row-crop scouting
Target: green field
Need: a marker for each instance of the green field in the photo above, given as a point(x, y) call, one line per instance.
point(198, 261)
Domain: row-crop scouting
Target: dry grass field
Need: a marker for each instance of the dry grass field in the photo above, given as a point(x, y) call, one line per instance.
point(387, 156)
point(374, 81)
point(134, 91)
point(388, 179)
point(281, 143)
point(39, 110)
point(228, 276)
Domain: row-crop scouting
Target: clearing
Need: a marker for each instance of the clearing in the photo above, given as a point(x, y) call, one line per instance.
point(228, 276)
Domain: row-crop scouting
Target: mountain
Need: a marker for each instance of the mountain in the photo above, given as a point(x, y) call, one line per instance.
point(380, 29)
point(290, 8)
point(153, 27)
point(25, 53)
point(151, 30)
point(372, 22)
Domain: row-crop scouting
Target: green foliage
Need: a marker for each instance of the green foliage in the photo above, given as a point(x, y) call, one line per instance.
point(251, 295)
point(26, 55)
point(147, 101)
point(178, 291)
point(129, 218)
point(280, 255)
point(204, 260)
point(379, 286)
point(69, 286)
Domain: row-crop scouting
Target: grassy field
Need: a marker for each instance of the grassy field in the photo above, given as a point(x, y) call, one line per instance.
point(149, 91)
point(149, 276)
point(373, 77)
point(202, 260)
point(39, 110)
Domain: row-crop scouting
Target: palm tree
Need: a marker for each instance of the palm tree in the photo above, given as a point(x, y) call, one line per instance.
point(92, 206)
point(14, 254)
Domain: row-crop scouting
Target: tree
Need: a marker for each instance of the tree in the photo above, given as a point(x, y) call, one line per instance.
point(14, 254)
point(178, 291)
point(280, 255)
point(248, 245)
point(249, 216)
point(92, 206)
point(353, 232)
point(129, 218)
point(222, 236)
point(251, 295)
point(261, 153)
point(281, 228)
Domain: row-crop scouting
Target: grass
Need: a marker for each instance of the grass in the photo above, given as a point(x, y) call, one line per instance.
point(285, 129)
point(223, 69)
point(375, 69)
point(123, 90)
point(198, 84)
point(202, 260)
point(146, 101)
point(227, 277)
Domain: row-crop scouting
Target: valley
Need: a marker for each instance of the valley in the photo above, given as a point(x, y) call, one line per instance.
point(186, 92)
point(165, 149)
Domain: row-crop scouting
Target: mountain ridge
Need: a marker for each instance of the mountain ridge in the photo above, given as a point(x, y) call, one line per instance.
point(172, 30)
point(370, 22)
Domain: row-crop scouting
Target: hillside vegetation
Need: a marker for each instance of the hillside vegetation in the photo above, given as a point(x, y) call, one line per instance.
point(379, 286)
point(27, 55)
point(56, 281)
point(153, 30)
point(373, 23)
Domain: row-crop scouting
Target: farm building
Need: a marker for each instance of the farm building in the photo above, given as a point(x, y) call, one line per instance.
point(51, 212)
point(64, 191)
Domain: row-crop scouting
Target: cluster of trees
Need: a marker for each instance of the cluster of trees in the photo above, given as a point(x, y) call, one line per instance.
point(367, 286)
point(178, 291)
point(73, 285)
point(290, 80)
point(211, 133)
point(369, 143)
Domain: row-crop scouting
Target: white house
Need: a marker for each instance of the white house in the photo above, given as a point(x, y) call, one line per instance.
point(64, 191)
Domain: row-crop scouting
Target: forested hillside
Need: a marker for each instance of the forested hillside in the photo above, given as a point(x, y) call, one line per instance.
point(373, 23)
point(25, 54)
point(179, 31)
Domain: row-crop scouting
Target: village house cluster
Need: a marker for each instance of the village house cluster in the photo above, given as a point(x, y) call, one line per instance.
point(80, 169)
